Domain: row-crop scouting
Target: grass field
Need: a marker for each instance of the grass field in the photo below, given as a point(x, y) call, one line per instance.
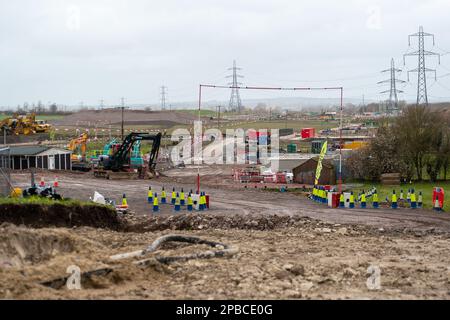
point(203, 113)
point(386, 191)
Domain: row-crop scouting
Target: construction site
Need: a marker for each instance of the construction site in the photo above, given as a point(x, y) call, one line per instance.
point(247, 192)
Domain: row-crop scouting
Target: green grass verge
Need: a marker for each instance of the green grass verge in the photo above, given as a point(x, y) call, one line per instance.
point(425, 187)
point(49, 117)
point(46, 201)
point(203, 113)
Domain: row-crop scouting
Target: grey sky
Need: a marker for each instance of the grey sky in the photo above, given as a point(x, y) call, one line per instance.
point(72, 51)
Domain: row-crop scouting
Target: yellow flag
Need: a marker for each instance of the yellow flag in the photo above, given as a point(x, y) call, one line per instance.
point(319, 163)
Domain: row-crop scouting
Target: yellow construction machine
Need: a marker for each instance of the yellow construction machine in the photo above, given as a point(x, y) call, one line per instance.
point(24, 125)
point(79, 158)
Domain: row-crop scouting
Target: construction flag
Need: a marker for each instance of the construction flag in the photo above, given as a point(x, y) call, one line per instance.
point(319, 162)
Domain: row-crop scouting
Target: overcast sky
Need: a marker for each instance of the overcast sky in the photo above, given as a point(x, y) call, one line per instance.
point(72, 51)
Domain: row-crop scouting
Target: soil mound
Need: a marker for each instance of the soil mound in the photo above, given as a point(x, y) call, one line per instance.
point(199, 221)
point(22, 245)
point(60, 215)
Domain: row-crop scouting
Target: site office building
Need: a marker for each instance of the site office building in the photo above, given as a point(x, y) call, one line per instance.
point(39, 157)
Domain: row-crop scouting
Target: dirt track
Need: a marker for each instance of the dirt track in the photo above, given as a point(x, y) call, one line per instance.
point(244, 201)
point(282, 254)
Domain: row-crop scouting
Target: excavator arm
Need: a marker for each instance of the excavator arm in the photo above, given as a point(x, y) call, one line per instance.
point(119, 159)
point(81, 141)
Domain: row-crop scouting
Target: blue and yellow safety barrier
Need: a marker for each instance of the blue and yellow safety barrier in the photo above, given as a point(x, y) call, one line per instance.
point(163, 195)
point(352, 201)
point(174, 196)
point(413, 200)
point(363, 203)
point(155, 203)
point(375, 204)
point(177, 206)
point(182, 197)
point(189, 203)
point(150, 195)
point(341, 201)
point(394, 204)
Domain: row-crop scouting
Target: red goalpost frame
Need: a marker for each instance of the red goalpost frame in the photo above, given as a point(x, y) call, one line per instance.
point(340, 89)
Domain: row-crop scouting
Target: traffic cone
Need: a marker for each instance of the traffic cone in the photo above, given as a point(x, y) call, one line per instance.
point(437, 206)
point(341, 201)
point(205, 205)
point(55, 182)
point(155, 203)
point(201, 206)
point(363, 204)
point(150, 195)
point(352, 200)
point(189, 203)
point(174, 196)
point(375, 200)
point(42, 182)
point(413, 200)
point(163, 195)
point(124, 201)
point(394, 200)
point(419, 200)
point(177, 203)
point(182, 197)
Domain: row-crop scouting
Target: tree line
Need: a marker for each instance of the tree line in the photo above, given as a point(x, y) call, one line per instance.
point(414, 144)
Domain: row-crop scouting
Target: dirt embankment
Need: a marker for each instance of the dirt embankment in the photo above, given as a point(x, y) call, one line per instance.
point(60, 215)
point(311, 260)
point(132, 117)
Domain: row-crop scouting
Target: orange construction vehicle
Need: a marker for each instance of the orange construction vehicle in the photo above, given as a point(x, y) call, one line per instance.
point(79, 144)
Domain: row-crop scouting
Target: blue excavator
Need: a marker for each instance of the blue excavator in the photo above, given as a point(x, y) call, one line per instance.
point(117, 165)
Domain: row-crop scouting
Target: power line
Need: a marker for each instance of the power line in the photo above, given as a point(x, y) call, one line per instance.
point(392, 105)
point(422, 97)
point(122, 107)
point(163, 97)
point(442, 86)
point(235, 99)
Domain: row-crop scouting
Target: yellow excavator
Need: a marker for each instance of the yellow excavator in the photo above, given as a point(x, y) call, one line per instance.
point(24, 125)
point(79, 159)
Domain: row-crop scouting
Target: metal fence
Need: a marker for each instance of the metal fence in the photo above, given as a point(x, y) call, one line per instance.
point(5, 172)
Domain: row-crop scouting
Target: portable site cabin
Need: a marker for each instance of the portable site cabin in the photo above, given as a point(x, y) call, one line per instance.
point(40, 157)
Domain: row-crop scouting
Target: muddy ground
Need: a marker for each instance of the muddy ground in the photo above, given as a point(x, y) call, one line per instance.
point(106, 117)
point(288, 246)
